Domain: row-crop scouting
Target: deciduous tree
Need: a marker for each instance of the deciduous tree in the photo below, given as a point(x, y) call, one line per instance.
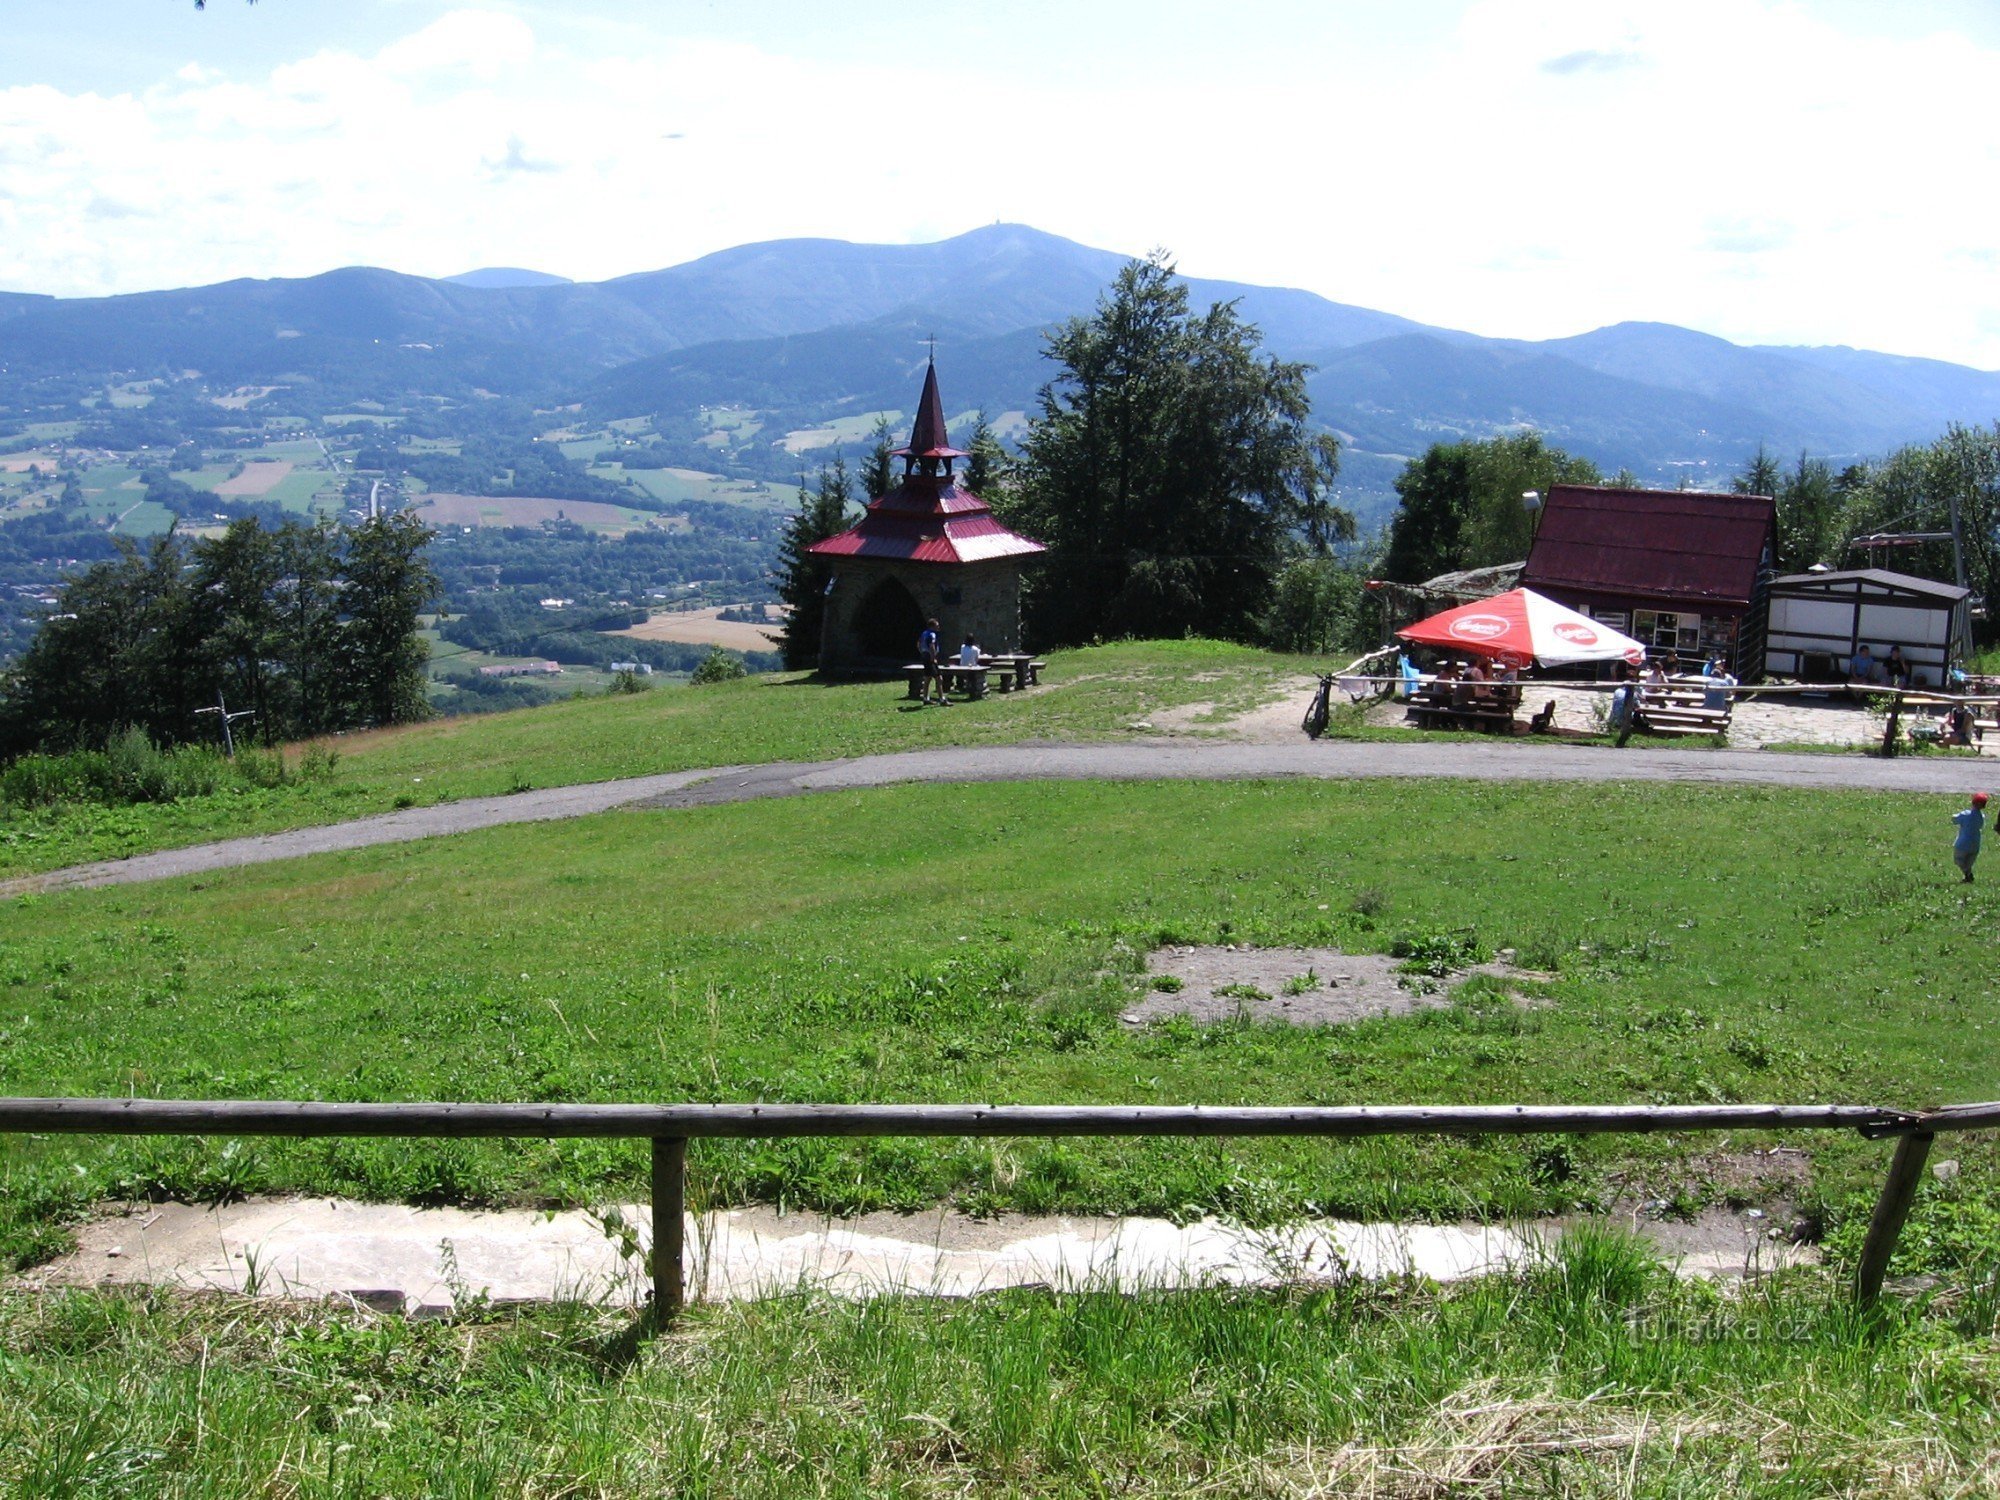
point(1162, 469)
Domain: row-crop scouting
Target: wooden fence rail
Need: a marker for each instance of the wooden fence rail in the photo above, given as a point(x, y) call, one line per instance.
point(669, 1127)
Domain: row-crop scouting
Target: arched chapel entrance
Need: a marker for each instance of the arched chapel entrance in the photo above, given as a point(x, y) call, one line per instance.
point(889, 621)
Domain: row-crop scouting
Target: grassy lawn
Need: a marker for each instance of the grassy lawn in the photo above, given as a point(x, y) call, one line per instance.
point(978, 943)
point(1593, 1375)
point(1088, 694)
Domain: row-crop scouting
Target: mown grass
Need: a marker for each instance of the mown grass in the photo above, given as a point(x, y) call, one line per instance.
point(1594, 1374)
point(978, 943)
point(1088, 694)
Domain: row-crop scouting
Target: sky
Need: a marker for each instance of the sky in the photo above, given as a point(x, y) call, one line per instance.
point(1789, 173)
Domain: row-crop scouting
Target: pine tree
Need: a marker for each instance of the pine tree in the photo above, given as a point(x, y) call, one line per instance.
point(878, 474)
point(802, 577)
point(389, 583)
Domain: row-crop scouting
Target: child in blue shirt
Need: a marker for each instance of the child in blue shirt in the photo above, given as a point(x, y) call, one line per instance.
point(1965, 849)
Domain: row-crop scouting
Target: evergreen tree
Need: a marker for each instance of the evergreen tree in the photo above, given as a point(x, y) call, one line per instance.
point(389, 583)
point(801, 577)
point(237, 577)
point(1162, 469)
point(118, 652)
point(878, 473)
point(985, 460)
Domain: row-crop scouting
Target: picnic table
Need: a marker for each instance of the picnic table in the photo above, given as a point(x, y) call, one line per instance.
point(1017, 669)
point(1488, 706)
point(1681, 706)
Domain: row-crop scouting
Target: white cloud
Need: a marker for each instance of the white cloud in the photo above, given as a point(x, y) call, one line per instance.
point(1742, 166)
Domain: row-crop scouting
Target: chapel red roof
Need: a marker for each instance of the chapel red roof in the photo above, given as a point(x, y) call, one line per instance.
point(1694, 549)
point(928, 439)
point(928, 518)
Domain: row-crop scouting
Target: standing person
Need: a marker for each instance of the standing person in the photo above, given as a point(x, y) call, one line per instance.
point(927, 653)
point(1965, 848)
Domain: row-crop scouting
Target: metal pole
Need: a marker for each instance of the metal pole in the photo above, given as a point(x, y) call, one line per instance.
point(669, 1227)
point(228, 739)
point(1906, 1170)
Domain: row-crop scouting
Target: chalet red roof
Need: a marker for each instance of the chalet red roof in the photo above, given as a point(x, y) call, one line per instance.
point(1692, 549)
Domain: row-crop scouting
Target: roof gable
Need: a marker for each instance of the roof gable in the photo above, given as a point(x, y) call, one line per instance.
point(1686, 547)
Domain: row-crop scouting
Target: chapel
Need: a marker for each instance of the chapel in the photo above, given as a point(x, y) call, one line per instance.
point(926, 550)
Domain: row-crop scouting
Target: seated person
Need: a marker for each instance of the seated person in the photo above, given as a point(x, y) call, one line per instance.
point(1896, 667)
point(1718, 682)
point(1476, 674)
point(1862, 668)
point(968, 654)
point(1656, 674)
point(1958, 725)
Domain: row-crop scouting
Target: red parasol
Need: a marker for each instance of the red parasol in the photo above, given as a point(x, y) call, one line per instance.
point(1521, 626)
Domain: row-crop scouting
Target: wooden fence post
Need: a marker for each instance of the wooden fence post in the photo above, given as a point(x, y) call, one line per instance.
point(669, 1227)
point(1895, 720)
point(1906, 1170)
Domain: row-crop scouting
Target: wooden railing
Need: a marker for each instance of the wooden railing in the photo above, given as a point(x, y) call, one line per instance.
point(669, 1127)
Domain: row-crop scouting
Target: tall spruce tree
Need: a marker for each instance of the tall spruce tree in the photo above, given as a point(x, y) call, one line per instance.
point(389, 583)
point(1162, 469)
point(802, 577)
point(878, 471)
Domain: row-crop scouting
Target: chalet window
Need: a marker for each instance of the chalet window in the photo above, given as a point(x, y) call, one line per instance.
point(1666, 631)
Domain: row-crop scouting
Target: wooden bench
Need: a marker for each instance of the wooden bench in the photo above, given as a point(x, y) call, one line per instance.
point(1681, 708)
point(1437, 710)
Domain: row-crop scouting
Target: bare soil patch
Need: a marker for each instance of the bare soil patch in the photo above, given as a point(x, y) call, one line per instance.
point(259, 477)
point(1296, 986)
point(702, 627)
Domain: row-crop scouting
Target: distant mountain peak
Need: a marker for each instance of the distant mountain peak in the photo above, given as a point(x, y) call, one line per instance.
point(498, 278)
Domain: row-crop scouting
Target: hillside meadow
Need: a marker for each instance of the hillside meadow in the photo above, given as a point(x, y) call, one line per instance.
point(1686, 944)
point(1088, 694)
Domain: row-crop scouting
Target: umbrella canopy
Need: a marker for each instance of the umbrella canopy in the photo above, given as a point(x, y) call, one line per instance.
point(1521, 626)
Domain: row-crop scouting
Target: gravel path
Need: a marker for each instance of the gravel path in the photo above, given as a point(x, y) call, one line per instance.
point(1192, 760)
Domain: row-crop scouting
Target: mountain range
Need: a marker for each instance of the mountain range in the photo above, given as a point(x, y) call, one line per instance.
point(821, 328)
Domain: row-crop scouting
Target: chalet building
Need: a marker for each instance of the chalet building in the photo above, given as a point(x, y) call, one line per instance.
point(1820, 620)
point(1684, 571)
point(926, 550)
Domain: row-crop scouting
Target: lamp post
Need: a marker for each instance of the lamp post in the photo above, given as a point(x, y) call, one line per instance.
point(1531, 502)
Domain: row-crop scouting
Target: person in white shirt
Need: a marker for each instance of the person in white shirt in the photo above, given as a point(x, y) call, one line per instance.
point(968, 654)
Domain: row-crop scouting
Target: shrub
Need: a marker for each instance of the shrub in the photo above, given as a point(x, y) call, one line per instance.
point(718, 666)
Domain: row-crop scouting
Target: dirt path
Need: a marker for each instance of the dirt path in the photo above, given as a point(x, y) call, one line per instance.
point(1203, 759)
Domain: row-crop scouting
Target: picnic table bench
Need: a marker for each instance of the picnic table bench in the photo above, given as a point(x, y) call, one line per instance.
point(1006, 672)
point(1681, 708)
point(1461, 705)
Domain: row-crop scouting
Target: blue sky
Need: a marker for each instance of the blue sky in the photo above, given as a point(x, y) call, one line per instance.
point(1769, 172)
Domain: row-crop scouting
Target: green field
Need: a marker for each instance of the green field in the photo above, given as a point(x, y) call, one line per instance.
point(1685, 944)
point(678, 485)
point(1090, 694)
